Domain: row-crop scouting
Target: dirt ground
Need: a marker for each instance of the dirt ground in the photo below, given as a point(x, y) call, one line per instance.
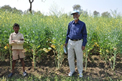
point(96, 69)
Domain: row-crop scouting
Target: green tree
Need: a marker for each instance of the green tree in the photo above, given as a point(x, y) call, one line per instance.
point(8, 8)
point(106, 14)
point(77, 7)
point(95, 13)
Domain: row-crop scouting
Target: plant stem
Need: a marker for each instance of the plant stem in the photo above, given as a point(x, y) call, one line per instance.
point(114, 59)
point(86, 60)
point(34, 53)
point(10, 57)
point(58, 61)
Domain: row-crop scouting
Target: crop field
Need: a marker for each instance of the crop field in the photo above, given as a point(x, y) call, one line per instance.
point(44, 40)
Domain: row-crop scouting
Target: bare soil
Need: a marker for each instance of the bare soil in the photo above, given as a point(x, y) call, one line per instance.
point(97, 69)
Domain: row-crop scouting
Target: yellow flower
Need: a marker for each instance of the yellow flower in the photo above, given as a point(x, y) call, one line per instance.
point(46, 50)
point(107, 51)
point(53, 46)
point(97, 45)
point(5, 47)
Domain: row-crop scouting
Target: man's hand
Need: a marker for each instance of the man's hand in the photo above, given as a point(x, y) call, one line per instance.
point(22, 39)
point(65, 44)
point(65, 48)
point(83, 47)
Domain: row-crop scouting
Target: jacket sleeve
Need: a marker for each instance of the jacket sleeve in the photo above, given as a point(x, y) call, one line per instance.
point(84, 35)
point(10, 40)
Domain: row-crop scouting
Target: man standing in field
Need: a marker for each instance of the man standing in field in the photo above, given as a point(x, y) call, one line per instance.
point(16, 39)
point(75, 33)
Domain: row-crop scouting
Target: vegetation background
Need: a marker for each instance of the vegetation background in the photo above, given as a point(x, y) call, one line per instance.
point(44, 40)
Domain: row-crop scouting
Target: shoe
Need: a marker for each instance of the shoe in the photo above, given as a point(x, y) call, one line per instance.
point(10, 75)
point(24, 74)
point(71, 73)
point(80, 75)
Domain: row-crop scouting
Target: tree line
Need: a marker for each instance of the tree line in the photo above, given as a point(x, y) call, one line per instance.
point(75, 7)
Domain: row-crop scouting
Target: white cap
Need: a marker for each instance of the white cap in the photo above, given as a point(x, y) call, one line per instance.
point(75, 11)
